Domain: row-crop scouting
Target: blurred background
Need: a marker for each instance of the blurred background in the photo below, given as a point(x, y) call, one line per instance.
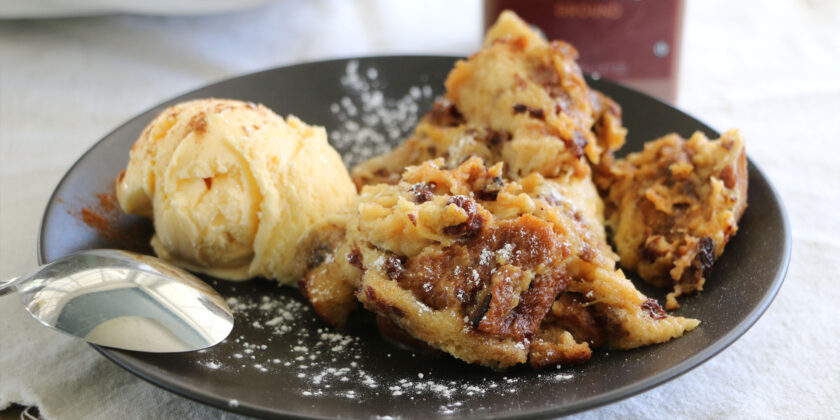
point(70, 72)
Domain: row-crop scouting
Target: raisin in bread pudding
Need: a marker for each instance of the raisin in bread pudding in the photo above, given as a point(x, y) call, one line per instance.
point(520, 100)
point(491, 271)
point(673, 207)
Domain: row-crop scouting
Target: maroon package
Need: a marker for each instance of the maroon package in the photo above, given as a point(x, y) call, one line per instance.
point(635, 42)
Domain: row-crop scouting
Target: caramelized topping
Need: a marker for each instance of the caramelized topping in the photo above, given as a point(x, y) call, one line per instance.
point(394, 266)
point(701, 266)
point(355, 258)
point(472, 225)
point(491, 191)
point(654, 310)
point(728, 176)
point(497, 138)
point(493, 277)
point(317, 256)
point(422, 192)
point(532, 112)
point(445, 114)
point(571, 312)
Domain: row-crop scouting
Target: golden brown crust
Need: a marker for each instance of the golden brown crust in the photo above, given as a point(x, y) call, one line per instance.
point(608, 130)
point(328, 283)
point(675, 205)
point(554, 345)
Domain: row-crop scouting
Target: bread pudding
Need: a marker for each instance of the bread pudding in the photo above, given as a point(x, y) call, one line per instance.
point(520, 100)
point(482, 235)
point(491, 271)
point(674, 206)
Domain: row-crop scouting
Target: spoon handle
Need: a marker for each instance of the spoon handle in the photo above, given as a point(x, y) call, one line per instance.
point(7, 286)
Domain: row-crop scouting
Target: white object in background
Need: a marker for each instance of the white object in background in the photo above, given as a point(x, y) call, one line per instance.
point(11, 9)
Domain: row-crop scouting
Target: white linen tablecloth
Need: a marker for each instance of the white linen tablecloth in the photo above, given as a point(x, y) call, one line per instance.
point(769, 68)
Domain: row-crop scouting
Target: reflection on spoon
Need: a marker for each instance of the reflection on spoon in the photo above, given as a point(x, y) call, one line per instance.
point(125, 300)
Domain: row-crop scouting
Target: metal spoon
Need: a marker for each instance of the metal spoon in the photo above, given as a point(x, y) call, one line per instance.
point(125, 300)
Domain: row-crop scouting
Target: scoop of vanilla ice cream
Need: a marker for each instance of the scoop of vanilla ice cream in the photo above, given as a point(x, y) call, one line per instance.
point(232, 186)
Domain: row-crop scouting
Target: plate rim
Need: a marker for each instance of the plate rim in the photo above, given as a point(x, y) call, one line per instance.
point(599, 400)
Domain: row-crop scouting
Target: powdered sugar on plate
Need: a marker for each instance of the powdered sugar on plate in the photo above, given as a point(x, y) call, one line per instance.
point(370, 123)
point(284, 338)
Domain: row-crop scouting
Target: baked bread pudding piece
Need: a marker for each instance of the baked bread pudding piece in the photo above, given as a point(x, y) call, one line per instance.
point(520, 100)
point(673, 207)
point(490, 271)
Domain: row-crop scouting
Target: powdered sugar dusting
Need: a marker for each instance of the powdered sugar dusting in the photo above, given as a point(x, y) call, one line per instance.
point(325, 362)
point(370, 122)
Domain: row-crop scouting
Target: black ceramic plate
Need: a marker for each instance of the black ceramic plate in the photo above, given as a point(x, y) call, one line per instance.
point(281, 361)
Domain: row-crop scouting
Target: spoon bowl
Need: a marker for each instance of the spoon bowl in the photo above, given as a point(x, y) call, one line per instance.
point(125, 300)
